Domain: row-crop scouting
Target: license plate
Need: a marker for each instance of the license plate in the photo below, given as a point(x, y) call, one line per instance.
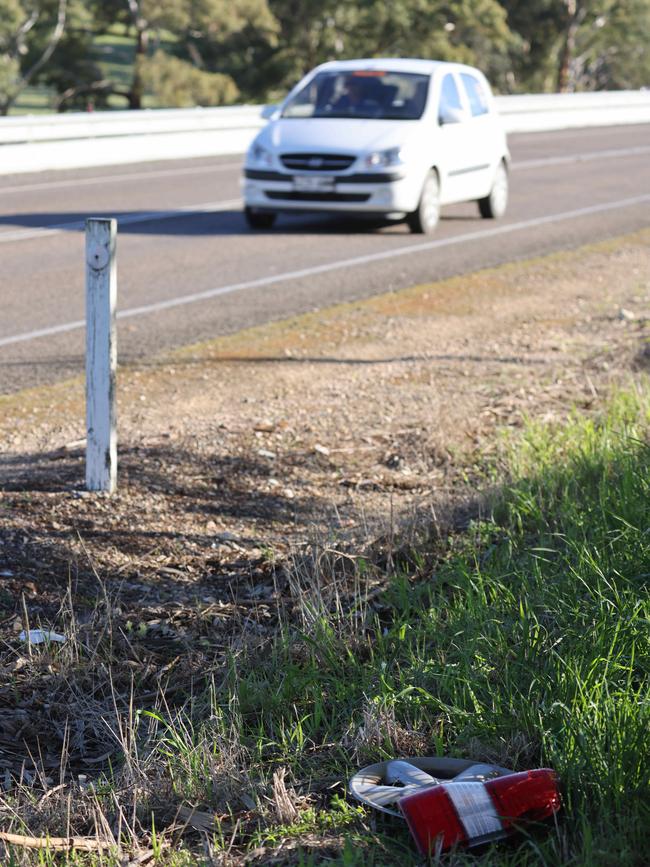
point(313, 184)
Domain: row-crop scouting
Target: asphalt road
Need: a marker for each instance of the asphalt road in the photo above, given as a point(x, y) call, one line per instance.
point(189, 269)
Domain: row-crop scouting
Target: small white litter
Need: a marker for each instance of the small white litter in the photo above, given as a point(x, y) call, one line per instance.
point(41, 636)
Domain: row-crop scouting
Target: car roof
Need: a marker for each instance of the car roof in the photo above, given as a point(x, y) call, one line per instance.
point(390, 64)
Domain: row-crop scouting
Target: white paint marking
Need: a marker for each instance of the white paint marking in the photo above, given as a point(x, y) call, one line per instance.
point(124, 220)
point(312, 271)
point(130, 176)
point(543, 162)
point(44, 332)
point(221, 167)
point(151, 216)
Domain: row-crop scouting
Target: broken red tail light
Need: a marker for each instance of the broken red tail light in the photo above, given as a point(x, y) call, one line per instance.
point(530, 796)
point(475, 812)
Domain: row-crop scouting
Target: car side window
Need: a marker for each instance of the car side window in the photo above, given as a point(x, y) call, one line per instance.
point(476, 94)
point(449, 95)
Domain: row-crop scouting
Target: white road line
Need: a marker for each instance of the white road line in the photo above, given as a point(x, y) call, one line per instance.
point(220, 167)
point(122, 220)
point(146, 217)
point(579, 158)
point(408, 250)
point(130, 176)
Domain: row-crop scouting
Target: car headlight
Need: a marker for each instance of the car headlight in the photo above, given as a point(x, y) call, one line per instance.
point(384, 159)
point(259, 155)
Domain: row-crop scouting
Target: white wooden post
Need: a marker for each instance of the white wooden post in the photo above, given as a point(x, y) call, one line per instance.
point(101, 355)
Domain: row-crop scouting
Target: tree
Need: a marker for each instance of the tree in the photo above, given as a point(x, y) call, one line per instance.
point(144, 19)
point(185, 27)
point(313, 31)
point(468, 31)
point(580, 44)
point(73, 71)
point(187, 22)
point(179, 84)
point(30, 31)
point(605, 45)
point(624, 59)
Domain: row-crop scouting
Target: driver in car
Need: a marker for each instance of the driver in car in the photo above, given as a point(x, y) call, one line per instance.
point(353, 97)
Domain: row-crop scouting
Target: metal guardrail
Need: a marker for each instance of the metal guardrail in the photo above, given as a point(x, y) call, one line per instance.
point(548, 111)
point(60, 127)
point(41, 142)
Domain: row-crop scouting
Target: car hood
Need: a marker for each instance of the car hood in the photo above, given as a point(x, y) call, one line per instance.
point(334, 135)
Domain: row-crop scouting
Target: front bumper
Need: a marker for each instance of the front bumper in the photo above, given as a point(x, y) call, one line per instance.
point(372, 193)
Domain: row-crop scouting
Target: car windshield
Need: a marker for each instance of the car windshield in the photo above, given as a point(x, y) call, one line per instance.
point(361, 94)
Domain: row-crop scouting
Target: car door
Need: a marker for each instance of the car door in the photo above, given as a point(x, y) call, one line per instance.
point(454, 150)
point(481, 146)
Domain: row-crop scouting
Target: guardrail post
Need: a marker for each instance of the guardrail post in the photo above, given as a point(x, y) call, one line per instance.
point(101, 355)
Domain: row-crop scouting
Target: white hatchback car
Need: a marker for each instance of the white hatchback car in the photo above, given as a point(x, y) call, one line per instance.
point(397, 138)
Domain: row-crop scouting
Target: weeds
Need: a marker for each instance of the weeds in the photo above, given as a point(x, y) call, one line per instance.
point(522, 640)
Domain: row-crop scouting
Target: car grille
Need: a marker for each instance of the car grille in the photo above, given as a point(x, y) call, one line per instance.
point(316, 197)
point(317, 162)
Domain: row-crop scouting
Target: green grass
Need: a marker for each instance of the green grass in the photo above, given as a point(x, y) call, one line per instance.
point(528, 644)
point(34, 100)
point(525, 644)
point(115, 52)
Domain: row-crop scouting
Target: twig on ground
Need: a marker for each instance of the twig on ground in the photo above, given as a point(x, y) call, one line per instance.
point(58, 844)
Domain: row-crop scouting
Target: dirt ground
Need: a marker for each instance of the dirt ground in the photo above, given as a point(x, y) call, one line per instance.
point(235, 452)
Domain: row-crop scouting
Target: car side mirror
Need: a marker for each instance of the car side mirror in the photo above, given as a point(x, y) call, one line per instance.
point(270, 112)
point(450, 115)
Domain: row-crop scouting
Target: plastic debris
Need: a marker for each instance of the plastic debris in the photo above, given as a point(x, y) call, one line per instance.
point(474, 813)
point(384, 784)
point(448, 802)
point(41, 636)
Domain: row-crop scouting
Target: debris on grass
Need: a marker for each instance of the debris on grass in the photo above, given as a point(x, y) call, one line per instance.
point(41, 636)
point(57, 844)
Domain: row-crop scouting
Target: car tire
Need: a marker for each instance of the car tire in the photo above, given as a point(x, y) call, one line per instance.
point(424, 219)
point(259, 219)
point(494, 206)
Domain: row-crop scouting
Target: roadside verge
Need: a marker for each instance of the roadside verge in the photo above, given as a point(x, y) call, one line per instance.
point(298, 575)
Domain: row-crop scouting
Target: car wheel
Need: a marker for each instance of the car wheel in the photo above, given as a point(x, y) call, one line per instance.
point(424, 219)
point(494, 205)
point(259, 219)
